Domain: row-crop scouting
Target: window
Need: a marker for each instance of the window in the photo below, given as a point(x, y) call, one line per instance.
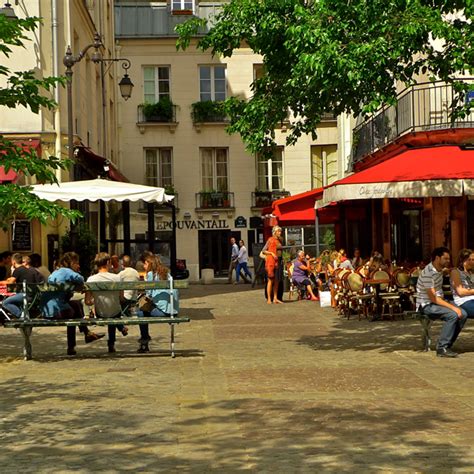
point(156, 83)
point(214, 169)
point(158, 170)
point(324, 165)
point(182, 5)
point(212, 83)
point(258, 71)
point(270, 171)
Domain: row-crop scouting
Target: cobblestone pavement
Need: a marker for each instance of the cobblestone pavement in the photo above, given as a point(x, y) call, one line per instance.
point(257, 387)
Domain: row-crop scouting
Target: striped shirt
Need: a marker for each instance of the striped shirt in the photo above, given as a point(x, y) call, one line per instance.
point(429, 278)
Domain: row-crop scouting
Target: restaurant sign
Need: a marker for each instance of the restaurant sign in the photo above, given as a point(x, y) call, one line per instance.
point(191, 224)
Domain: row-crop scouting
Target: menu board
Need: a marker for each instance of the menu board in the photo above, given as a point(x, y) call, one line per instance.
point(21, 236)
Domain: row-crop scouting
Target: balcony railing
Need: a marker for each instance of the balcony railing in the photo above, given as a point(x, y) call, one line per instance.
point(156, 20)
point(262, 199)
point(423, 107)
point(142, 118)
point(215, 200)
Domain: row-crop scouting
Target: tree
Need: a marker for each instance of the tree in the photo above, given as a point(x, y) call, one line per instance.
point(24, 88)
point(334, 56)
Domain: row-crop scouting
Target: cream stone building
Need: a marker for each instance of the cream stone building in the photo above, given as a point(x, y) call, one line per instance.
point(64, 22)
point(220, 188)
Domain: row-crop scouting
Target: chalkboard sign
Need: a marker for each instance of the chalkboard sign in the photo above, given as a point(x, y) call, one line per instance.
point(21, 236)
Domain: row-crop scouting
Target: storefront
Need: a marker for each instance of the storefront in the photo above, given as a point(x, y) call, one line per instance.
point(414, 201)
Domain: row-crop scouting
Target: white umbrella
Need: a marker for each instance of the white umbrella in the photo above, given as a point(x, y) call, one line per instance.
point(100, 190)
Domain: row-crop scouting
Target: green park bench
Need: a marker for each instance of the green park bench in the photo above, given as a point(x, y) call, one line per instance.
point(34, 293)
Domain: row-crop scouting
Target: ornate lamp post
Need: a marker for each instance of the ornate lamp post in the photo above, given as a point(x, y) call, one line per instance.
point(70, 60)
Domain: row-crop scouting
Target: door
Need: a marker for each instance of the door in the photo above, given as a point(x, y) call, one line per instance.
point(214, 250)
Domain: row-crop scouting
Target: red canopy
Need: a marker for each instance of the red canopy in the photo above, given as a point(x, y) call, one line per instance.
point(11, 176)
point(420, 172)
point(297, 209)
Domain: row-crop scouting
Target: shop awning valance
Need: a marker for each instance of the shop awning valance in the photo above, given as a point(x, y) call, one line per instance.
point(297, 209)
point(424, 172)
point(100, 190)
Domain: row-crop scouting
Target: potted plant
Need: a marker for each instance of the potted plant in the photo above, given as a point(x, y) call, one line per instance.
point(205, 199)
point(161, 111)
point(207, 111)
point(169, 189)
point(226, 199)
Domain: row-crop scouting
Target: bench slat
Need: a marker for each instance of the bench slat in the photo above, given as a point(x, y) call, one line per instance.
point(21, 323)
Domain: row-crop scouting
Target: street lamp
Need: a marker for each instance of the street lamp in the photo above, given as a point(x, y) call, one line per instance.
point(70, 60)
point(8, 11)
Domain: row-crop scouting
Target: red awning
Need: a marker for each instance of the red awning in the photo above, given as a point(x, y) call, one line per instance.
point(416, 173)
point(11, 176)
point(94, 164)
point(297, 209)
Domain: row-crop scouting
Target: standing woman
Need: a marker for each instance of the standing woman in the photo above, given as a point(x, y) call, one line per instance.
point(273, 265)
point(461, 283)
point(156, 271)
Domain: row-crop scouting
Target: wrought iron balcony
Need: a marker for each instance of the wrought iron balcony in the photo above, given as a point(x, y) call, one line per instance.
point(261, 199)
point(215, 200)
point(141, 20)
point(423, 107)
point(156, 118)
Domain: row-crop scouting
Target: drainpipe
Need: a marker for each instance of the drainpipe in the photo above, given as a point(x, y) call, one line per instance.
point(57, 112)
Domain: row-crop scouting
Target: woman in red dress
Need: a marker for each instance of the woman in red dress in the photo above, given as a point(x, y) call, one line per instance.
point(273, 265)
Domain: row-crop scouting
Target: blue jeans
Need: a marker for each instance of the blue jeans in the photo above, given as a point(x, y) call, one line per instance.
point(14, 304)
point(242, 266)
point(452, 324)
point(468, 306)
point(144, 331)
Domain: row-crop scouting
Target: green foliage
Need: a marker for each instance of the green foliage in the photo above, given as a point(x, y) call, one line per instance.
point(28, 90)
point(330, 56)
point(328, 239)
point(81, 240)
point(161, 110)
point(208, 111)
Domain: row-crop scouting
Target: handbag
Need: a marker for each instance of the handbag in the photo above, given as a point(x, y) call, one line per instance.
point(262, 255)
point(145, 303)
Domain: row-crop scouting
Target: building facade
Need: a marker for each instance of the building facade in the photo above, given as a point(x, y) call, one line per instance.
point(94, 91)
point(220, 188)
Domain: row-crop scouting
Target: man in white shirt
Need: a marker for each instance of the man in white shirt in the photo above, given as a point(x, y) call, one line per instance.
point(128, 274)
point(233, 258)
point(430, 301)
point(242, 260)
point(106, 303)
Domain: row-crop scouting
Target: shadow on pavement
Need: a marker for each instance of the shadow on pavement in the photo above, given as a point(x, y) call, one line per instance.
point(385, 336)
point(73, 432)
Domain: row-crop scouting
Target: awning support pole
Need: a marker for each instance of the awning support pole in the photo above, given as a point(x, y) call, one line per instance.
point(316, 232)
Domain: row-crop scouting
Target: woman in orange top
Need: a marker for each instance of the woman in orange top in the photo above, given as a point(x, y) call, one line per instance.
point(273, 265)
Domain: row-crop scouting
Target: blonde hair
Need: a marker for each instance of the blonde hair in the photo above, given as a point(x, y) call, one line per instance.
point(275, 229)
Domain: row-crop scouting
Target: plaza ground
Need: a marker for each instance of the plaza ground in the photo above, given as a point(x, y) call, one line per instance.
point(257, 387)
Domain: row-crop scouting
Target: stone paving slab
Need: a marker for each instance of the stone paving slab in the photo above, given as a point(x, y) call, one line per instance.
point(255, 387)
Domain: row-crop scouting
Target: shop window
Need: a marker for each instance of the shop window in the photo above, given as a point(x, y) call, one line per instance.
point(324, 165)
point(212, 83)
point(270, 171)
point(214, 169)
point(156, 83)
point(158, 167)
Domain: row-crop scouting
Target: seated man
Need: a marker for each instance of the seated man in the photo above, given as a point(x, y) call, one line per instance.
point(106, 303)
point(128, 274)
point(22, 272)
point(300, 274)
point(431, 302)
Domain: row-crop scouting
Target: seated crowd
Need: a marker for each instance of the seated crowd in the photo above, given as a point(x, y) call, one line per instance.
point(68, 301)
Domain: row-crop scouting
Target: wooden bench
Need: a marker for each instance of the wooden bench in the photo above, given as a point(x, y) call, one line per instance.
point(33, 294)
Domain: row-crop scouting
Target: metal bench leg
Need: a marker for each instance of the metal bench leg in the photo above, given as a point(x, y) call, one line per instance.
point(27, 350)
point(426, 335)
point(172, 341)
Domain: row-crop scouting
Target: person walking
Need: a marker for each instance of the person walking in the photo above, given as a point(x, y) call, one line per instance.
point(234, 253)
point(242, 261)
